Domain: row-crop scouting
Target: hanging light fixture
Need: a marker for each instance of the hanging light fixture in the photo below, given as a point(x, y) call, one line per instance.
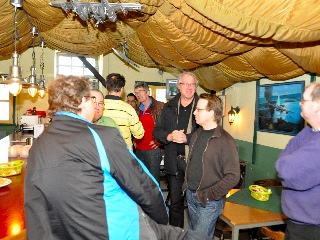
point(15, 78)
point(32, 79)
point(42, 88)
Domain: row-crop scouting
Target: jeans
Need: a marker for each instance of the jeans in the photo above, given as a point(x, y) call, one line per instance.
point(176, 207)
point(203, 219)
point(151, 159)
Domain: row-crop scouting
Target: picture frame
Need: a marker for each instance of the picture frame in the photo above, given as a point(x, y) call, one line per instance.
point(278, 107)
point(223, 99)
point(171, 88)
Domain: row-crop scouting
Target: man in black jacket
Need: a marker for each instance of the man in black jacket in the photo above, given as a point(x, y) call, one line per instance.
point(173, 129)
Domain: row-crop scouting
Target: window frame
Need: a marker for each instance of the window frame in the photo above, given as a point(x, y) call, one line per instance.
point(58, 54)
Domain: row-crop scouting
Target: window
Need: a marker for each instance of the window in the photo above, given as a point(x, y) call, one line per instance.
point(5, 106)
point(68, 64)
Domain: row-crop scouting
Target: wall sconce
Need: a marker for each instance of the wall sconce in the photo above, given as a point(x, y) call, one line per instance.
point(232, 113)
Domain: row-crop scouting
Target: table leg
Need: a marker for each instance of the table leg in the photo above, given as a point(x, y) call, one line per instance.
point(235, 233)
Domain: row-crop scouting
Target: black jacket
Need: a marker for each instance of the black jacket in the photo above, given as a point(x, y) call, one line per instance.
point(83, 183)
point(166, 123)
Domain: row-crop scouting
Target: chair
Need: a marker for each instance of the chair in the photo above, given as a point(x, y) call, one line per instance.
point(274, 235)
point(267, 182)
point(222, 230)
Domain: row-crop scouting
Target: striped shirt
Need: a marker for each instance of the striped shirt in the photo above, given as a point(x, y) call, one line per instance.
point(125, 117)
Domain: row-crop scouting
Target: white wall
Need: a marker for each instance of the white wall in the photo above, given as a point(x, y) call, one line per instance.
point(110, 64)
point(244, 96)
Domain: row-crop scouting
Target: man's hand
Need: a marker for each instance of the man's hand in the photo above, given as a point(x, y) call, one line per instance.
point(154, 145)
point(177, 136)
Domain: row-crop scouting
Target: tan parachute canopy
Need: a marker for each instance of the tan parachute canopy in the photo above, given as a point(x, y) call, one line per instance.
point(222, 41)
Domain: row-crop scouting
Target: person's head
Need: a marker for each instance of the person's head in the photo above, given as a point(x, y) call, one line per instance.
point(71, 94)
point(310, 105)
point(208, 110)
point(98, 108)
point(141, 90)
point(187, 84)
point(115, 82)
point(132, 100)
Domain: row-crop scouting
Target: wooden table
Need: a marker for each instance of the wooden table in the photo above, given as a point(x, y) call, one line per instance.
point(12, 218)
point(239, 216)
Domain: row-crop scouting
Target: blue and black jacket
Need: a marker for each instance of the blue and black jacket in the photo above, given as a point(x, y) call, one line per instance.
point(83, 183)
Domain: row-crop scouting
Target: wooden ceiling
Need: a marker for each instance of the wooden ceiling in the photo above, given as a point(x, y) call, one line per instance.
point(222, 41)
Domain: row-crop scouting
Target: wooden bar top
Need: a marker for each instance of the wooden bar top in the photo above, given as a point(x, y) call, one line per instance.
point(12, 216)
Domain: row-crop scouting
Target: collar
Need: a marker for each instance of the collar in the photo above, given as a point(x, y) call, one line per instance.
point(71, 114)
point(141, 107)
point(112, 97)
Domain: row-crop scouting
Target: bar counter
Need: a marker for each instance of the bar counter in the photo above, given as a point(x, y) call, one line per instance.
point(12, 218)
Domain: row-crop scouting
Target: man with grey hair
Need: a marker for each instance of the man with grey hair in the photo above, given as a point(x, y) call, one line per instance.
point(147, 149)
point(174, 129)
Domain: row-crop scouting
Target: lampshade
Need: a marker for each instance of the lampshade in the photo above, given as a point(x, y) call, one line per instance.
point(42, 89)
point(15, 78)
point(33, 88)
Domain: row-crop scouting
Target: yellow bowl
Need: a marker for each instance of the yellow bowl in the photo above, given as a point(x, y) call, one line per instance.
point(260, 193)
point(11, 168)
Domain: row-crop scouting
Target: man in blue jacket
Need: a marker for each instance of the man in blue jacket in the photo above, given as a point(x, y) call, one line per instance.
point(299, 168)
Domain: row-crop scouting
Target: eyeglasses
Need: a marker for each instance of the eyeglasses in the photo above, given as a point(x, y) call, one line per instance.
point(100, 104)
point(93, 98)
point(188, 84)
point(139, 92)
point(201, 109)
point(302, 100)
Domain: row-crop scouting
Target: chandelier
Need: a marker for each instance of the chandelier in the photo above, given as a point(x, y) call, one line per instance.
point(99, 12)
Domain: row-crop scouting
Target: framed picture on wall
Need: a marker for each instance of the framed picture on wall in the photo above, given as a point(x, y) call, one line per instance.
point(223, 99)
point(278, 109)
point(171, 88)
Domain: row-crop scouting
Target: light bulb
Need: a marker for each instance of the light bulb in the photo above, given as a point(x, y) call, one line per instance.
point(32, 91)
point(15, 88)
point(42, 93)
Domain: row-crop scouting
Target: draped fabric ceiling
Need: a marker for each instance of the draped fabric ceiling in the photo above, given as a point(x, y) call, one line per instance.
point(222, 41)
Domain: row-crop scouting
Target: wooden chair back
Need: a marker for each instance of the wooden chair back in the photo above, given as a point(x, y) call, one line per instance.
point(267, 182)
point(274, 235)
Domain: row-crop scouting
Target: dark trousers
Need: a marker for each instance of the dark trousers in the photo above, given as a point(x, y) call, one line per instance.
point(176, 206)
point(152, 159)
point(302, 232)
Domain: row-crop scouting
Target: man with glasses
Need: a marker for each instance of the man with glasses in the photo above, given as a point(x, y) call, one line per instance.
point(147, 148)
point(174, 129)
point(298, 166)
point(98, 108)
point(121, 112)
point(213, 166)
